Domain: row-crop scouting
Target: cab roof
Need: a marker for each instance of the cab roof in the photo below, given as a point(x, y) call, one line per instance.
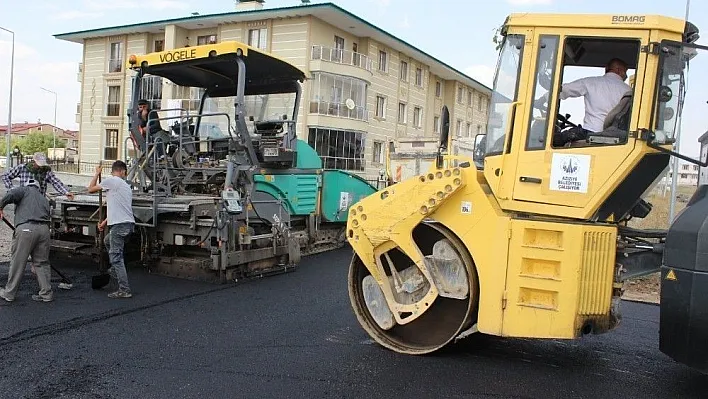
point(214, 67)
point(598, 21)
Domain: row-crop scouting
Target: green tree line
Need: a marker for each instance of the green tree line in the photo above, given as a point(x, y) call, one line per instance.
point(33, 142)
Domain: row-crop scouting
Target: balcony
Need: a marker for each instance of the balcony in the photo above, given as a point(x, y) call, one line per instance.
point(339, 61)
point(338, 109)
point(338, 115)
point(115, 65)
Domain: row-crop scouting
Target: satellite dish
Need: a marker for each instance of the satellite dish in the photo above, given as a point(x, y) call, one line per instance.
point(350, 103)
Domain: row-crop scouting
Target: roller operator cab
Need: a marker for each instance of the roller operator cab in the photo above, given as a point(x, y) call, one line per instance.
point(528, 236)
point(223, 187)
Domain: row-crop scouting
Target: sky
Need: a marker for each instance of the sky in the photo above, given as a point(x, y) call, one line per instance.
point(458, 32)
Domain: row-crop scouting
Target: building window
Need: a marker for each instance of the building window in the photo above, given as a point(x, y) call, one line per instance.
point(339, 149)
point(208, 39)
point(113, 101)
point(383, 61)
point(479, 129)
point(258, 38)
point(330, 93)
point(684, 176)
point(479, 102)
point(115, 62)
point(459, 95)
point(151, 90)
point(404, 71)
point(419, 77)
point(110, 151)
point(469, 129)
point(436, 124)
point(438, 89)
point(469, 97)
point(190, 98)
point(377, 152)
point(401, 113)
point(159, 45)
point(381, 107)
point(459, 128)
point(417, 116)
point(338, 53)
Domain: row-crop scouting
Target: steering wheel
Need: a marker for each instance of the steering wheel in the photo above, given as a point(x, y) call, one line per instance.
point(563, 121)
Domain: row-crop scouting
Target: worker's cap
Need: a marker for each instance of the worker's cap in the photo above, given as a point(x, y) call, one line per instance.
point(32, 183)
point(142, 102)
point(40, 159)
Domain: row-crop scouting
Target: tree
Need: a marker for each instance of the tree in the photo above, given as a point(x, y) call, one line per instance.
point(33, 142)
point(39, 142)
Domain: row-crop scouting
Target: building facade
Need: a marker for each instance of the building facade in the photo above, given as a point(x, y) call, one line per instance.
point(366, 89)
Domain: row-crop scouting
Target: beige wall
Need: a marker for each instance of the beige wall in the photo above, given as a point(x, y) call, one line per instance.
point(292, 40)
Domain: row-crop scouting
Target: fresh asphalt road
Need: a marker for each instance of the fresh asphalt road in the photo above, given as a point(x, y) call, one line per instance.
point(294, 335)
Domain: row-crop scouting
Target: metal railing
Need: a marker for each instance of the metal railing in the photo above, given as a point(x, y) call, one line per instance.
point(340, 56)
point(80, 167)
point(115, 65)
point(338, 109)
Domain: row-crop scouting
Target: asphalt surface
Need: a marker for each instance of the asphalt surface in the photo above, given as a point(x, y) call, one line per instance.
point(294, 335)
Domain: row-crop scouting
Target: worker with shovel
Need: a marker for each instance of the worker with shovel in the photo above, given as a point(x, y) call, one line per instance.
point(120, 221)
point(31, 237)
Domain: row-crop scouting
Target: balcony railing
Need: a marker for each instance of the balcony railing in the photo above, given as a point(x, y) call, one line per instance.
point(338, 109)
point(115, 65)
point(340, 56)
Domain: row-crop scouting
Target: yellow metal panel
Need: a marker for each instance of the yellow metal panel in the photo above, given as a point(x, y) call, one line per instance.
point(559, 275)
point(189, 53)
point(593, 21)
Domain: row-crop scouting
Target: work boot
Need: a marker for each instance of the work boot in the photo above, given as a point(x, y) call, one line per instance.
point(4, 296)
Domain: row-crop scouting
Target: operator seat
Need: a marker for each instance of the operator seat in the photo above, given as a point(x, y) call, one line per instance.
point(615, 129)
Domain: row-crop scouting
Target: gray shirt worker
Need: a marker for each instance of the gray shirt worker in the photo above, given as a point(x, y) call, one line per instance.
point(119, 199)
point(30, 205)
point(30, 238)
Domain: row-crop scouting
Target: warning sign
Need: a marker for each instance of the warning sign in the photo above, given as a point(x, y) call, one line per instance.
point(671, 275)
point(570, 172)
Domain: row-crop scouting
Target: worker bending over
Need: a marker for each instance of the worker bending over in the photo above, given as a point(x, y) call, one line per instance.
point(31, 237)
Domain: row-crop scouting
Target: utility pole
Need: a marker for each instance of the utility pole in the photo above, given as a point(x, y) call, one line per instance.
point(54, 128)
point(8, 132)
point(674, 175)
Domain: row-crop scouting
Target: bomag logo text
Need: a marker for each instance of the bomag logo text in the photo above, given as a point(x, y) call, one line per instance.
point(628, 19)
point(180, 55)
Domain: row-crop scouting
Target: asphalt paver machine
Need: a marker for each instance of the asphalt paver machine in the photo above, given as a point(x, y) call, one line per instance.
point(228, 190)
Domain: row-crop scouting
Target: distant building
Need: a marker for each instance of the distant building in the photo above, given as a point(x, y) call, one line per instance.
point(367, 88)
point(703, 172)
point(687, 174)
point(22, 130)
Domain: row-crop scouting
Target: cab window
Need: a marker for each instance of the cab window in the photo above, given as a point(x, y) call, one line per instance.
point(505, 91)
point(594, 102)
point(544, 81)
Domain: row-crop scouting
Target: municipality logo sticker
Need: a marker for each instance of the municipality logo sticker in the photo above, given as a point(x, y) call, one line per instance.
point(570, 165)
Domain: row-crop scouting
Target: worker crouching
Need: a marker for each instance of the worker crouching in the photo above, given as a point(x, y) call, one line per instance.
point(31, 237)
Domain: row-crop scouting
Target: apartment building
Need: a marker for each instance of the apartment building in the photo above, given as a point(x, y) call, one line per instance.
point(366, 88)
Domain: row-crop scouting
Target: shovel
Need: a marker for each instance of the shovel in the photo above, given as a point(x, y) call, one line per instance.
point(101, 280)
point(65, 282)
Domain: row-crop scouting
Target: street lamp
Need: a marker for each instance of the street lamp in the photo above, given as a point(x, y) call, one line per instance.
point(8, 132)
point(54, 129)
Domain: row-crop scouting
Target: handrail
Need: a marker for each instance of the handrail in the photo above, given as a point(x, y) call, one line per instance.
point(341, 56)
